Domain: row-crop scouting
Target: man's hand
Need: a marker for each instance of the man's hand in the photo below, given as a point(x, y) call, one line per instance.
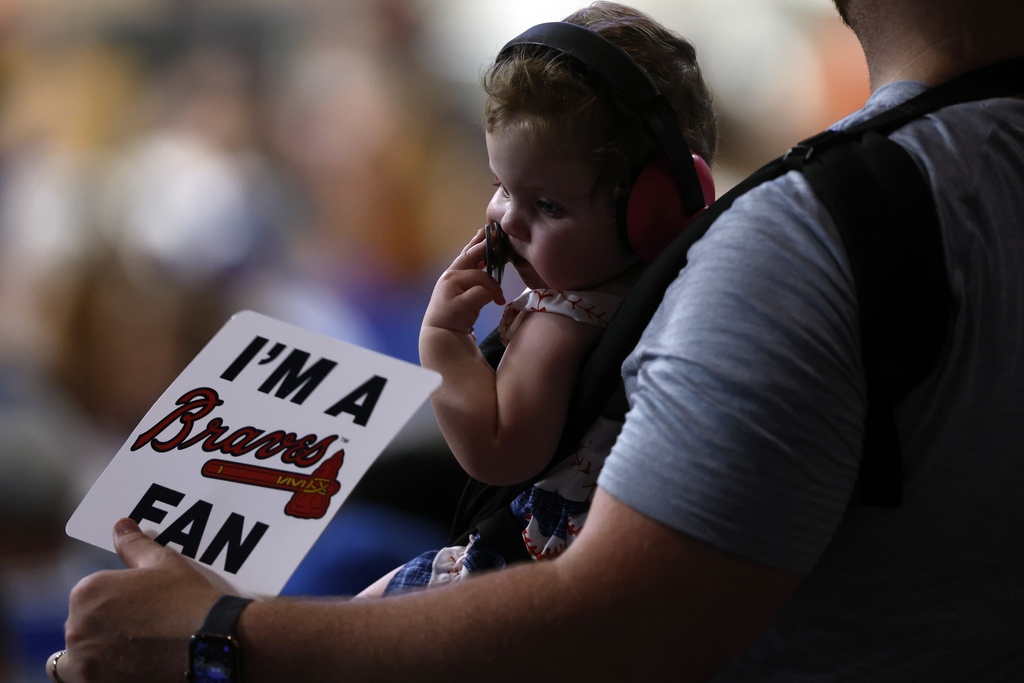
point(134, 624)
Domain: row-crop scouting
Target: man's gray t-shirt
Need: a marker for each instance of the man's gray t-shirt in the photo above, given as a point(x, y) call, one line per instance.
point(747, 404)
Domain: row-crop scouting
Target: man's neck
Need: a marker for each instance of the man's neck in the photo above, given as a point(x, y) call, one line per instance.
point(936, 42)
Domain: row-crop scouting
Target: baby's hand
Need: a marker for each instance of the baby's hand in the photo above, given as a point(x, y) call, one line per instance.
point(463, 290)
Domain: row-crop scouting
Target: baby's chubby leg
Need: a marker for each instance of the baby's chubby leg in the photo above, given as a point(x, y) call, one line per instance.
point(376, 589)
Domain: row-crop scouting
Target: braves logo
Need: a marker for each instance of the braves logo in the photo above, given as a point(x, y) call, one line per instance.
point(311, 494)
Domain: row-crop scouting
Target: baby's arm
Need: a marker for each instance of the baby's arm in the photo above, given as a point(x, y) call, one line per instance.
point(504, 426)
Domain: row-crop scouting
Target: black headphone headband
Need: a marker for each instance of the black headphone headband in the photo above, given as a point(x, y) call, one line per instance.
point(636, 88)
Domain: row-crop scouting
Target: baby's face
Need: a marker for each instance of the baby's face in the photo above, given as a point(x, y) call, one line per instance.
point(559, 220)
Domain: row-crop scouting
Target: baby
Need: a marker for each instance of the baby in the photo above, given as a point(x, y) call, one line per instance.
point(569, 154)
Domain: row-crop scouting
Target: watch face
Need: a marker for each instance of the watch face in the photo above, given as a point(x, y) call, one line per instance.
point(214, 659)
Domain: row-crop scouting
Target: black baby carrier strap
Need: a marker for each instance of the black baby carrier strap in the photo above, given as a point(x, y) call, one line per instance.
point(886, 216)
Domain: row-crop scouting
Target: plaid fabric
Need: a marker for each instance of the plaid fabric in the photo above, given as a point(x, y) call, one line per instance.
point(443, 566)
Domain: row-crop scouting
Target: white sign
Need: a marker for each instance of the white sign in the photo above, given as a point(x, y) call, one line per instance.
point(250, 452)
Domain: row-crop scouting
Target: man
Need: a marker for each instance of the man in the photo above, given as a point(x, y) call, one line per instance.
point(721, 542)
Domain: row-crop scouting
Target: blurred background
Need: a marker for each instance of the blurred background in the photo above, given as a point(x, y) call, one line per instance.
point(165, 163)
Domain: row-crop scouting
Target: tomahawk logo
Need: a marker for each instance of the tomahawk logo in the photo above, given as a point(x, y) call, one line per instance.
point(311, 494)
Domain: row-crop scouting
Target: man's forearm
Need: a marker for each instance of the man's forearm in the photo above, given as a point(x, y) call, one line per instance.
point(634, 599)
point(429, 635)
point(629, 600)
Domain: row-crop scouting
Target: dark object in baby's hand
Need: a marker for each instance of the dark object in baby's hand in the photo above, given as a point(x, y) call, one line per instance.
point(498, 252)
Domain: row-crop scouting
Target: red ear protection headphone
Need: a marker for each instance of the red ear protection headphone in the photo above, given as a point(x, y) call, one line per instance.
point(674, 187)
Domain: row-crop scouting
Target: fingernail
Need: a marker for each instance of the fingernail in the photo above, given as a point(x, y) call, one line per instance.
point(125, 526)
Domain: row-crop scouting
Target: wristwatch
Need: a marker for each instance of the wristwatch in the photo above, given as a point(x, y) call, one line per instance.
point(213, 652)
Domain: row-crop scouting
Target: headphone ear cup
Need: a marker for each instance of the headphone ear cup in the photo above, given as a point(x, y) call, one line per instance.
point(654, 210)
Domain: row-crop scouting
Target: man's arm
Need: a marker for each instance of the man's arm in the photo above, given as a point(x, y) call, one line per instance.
point(630, 598)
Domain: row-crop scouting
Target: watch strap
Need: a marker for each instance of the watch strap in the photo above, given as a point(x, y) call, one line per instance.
point(223, 616)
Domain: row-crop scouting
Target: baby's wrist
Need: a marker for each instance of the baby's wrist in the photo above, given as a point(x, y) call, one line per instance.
point(436, 327)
